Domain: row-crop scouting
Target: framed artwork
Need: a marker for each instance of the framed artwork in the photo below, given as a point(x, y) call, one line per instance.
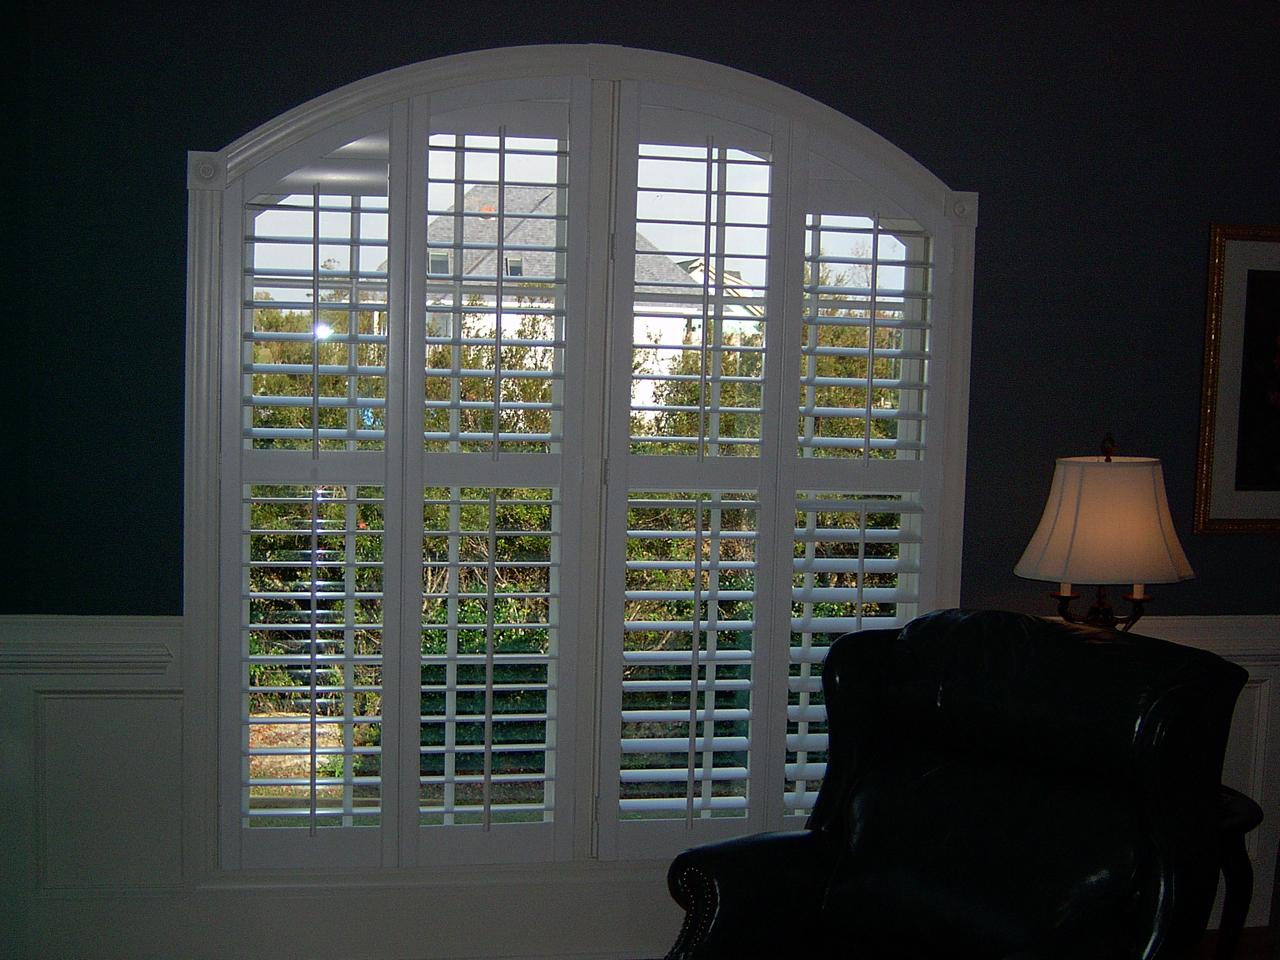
point(1238, 460)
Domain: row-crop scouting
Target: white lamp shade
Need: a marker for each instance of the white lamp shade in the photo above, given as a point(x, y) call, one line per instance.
point(1106, 522)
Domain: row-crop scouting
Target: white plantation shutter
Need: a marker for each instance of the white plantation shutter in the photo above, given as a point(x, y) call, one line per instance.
point(690, 576)
point(495, 390)
point(308, 527)
point(331, 601)
point(864, 344)
point(863, 381)
point(315, 305)
point(491, 572)
point(697, 329)
point(562, 423)
point(686, 702)
point(861, 335)
point(701, 275)
point(853, 568)
point(312, 670)
point(494, 338)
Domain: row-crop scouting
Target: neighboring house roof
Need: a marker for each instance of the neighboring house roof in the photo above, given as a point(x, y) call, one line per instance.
point(729, 281)
point(530, 233)
point(529, 230)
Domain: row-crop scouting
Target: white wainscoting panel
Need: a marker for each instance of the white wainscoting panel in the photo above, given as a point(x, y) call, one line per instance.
point(109, 789)
point(1245, 766)
point(92, 770)
point(1252, 765)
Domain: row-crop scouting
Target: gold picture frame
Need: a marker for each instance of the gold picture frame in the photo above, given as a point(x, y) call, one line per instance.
point(1238, 457)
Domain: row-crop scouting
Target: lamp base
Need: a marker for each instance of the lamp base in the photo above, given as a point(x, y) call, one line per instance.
point(1101, 614)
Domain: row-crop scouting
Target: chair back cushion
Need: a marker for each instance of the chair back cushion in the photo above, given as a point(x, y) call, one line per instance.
point(971, 857)
point(1003, 781)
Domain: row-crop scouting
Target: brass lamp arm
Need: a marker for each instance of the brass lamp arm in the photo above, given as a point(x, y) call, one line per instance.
point(1101, 614)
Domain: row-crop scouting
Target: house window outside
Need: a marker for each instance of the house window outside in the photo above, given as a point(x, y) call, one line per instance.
point(424, 569)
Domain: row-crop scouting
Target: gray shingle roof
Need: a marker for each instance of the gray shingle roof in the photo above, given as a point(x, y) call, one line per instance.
point(529, 233)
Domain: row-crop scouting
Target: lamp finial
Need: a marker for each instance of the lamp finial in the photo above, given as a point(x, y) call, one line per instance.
point(1108, 446)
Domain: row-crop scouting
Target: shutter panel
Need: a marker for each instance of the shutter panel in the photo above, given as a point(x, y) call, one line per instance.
point(315, 305)
point(313, 520)
point(695, 318)
point(687, 653)
point(702, 215)
point(491, 578)
point(496, 285)
point(312, 668)
point(864, 351)
point(864, 344)
point(854, 566)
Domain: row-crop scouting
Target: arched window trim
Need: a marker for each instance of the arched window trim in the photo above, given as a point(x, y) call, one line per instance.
point(899, 178)
point(217, 180)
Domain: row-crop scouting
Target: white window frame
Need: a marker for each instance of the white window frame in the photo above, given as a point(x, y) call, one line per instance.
point(608, 83)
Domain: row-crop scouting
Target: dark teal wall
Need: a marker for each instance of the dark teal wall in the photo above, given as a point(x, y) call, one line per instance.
point(1103, 142)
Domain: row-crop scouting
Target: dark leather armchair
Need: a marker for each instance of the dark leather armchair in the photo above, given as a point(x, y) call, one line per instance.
point(998, 786)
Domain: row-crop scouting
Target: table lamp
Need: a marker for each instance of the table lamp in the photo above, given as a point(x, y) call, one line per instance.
point(1106, 521)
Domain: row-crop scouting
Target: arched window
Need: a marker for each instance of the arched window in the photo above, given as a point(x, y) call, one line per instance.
point(550, 412)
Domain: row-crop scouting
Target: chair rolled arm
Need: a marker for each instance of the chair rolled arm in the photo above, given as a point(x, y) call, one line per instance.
point(747, 897)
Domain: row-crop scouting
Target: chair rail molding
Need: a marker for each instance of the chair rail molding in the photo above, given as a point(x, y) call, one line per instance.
point(1248, 639)
point(41, 644)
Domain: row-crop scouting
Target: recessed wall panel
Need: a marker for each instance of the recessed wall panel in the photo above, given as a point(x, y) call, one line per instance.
point(109, 789)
